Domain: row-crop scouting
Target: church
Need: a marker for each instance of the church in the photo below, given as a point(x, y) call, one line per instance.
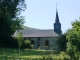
point(43, 39)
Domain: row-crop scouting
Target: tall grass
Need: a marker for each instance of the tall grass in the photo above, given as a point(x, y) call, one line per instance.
point(27, 54)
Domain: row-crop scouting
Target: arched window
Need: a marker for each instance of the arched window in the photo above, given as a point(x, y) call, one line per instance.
point(32, 42)
point(47, 43)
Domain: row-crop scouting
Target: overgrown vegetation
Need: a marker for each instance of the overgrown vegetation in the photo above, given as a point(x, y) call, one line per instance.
point(31, 54)
point(72, 38)
point(73, 44)
point(62, 42)
point(10, 20)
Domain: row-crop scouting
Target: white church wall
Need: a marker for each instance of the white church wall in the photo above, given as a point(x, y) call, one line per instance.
point(42, 41)
point(35, 42)
point(52, 42)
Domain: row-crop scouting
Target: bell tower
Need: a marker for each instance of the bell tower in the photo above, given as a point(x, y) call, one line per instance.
point(57, 24)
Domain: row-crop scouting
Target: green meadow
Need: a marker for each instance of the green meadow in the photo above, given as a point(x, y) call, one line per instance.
point(30, 54)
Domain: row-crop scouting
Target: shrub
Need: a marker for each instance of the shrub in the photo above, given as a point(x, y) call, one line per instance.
point(27, 44)
point(61, 56)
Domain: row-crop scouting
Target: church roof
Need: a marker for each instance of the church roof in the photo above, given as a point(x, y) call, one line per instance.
point(37, 33)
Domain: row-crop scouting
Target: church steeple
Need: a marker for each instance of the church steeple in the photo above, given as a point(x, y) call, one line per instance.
point(57, 17)
point(57, 24)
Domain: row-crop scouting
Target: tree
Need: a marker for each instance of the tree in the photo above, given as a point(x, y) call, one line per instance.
point(62, 41)
point(17, 23)
point(73, 43)
point(9, 10)
point(20, 40)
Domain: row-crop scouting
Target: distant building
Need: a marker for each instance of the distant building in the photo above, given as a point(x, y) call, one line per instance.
point(43, 39)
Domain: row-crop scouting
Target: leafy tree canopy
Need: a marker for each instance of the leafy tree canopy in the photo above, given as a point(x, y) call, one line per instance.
point(73, 36)
point(9, 11)
point(62, 42)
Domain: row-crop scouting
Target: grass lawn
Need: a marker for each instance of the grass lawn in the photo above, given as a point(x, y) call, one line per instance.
point(26, 54)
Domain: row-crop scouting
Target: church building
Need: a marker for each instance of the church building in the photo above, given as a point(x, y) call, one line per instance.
point(43, 39)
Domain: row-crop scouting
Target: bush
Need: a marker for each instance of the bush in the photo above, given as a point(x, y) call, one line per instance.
point(61, 56)
point(27, 44)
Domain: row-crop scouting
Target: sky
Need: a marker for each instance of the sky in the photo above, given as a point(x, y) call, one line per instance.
point(41, 14)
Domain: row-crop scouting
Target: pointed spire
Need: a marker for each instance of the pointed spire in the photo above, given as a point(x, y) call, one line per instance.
point(57, 17)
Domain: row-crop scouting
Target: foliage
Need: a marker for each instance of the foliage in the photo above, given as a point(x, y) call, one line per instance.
point(73, 43)
point(62, 42)
point(27, 44)
point(23, 43)
point(62, 56)
point(20, 38)
point(9, 10)
point(31, 54)
point(17, 23)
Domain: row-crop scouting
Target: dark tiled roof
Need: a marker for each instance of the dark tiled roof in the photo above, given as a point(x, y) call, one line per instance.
point(37, 33)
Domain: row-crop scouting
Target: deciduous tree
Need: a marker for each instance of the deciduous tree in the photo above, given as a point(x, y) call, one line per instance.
point(73, 44)
point(9, 10)
point(20, 40)
point(62, 42)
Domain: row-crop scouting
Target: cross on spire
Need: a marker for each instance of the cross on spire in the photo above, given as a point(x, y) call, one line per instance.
point(56, 6)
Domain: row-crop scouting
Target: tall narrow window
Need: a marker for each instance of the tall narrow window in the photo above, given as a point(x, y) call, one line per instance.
point(38, 42)
point(38, 38)
point(32, 42)
point(47, 43)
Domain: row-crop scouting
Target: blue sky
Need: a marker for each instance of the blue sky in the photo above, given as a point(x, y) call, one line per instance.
point(41, 13)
